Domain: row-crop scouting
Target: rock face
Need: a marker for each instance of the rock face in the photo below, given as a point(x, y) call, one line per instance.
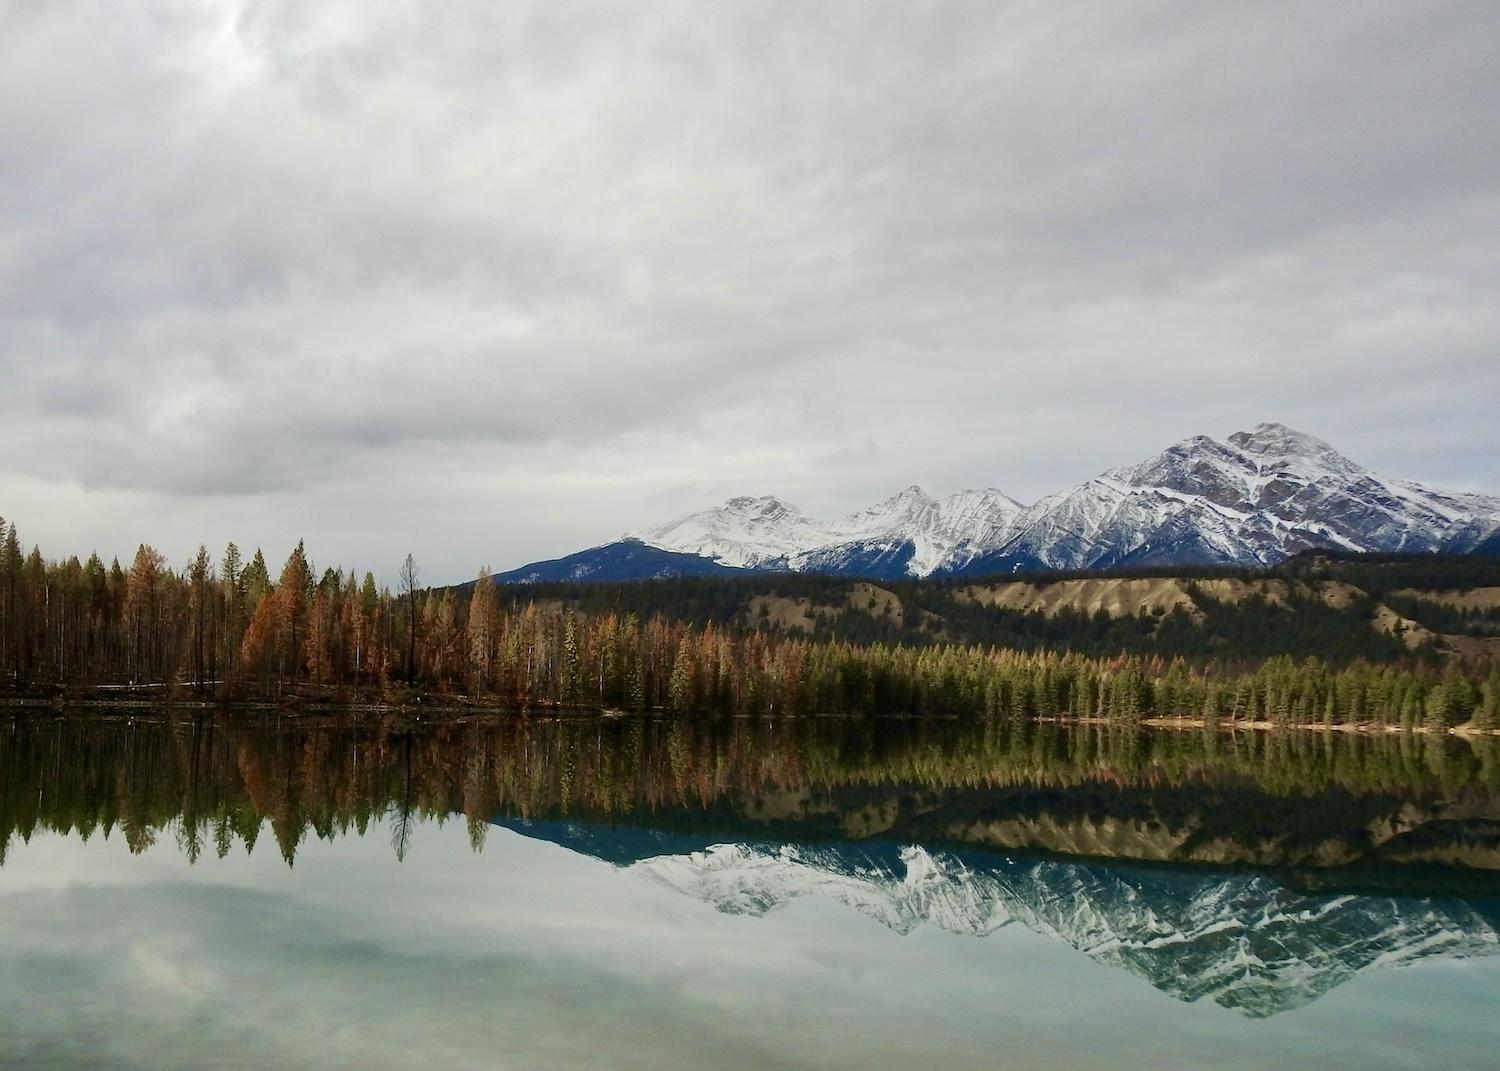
point(1256, 499)
point(910, 533)
point(1240, 939)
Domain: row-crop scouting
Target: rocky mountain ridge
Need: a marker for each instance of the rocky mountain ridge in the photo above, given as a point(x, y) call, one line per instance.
point(1255, 499)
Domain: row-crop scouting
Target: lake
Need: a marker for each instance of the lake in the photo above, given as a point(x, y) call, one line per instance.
point(388, 891)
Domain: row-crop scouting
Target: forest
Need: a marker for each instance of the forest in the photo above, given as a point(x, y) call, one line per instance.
point(229, 632)
point(933, 611)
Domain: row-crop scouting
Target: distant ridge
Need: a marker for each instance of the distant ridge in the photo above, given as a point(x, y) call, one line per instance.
point(1256, 499)
point(628, 559)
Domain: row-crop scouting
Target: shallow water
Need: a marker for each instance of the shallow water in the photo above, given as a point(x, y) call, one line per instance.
point(516, 893)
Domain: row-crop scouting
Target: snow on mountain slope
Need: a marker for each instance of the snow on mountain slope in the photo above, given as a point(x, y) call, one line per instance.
point(1242, 940)
point(977, 520)
point(1255, 499)
point(922, 532)
point(1258, 498)
point(747, 532)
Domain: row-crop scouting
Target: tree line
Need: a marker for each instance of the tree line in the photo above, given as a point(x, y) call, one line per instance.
point(231, 631)
point(938, 611)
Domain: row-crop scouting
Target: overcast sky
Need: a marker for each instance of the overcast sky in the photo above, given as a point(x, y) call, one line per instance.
point(491, 281)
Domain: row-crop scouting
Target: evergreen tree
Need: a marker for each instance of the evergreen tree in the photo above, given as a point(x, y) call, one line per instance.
point(481, 630)
point(199, 572)
point(257, 577)
point(1487, 716)
point(291, 597)
point(10, 576)
point(682, 690)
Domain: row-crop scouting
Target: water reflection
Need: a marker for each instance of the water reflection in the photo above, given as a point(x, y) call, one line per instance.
point(1258, 871)
point(1242, 939)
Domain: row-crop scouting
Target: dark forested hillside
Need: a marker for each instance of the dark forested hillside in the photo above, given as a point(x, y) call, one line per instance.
point(932, 612)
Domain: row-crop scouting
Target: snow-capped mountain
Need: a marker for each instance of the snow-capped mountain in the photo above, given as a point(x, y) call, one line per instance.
point(909, 533)
point(1257, 498)
point(744, 532)
point(1241, 939)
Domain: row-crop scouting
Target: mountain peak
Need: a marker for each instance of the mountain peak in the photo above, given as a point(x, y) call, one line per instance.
point(759, 504)
point(1273, 440)
point(992, 496)
point(898, 509)
point(1256, 498)
point(908, 494)
point(745, 532)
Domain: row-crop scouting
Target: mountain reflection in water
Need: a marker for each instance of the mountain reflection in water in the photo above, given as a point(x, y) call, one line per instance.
point(1258, 870)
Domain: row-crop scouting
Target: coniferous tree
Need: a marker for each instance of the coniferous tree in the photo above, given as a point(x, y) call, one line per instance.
point(142, 607)
point(1487, 715)
point(257, 577)
point(232, 599)
point(199, 572)
point(292, 597)
point(482, 630)
point(10, 576)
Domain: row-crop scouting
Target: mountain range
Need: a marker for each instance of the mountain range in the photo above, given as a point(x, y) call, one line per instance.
point(1241, 939)
point(1255, 499)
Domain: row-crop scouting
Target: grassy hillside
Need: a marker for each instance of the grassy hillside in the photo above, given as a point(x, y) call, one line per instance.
point(1383, 608)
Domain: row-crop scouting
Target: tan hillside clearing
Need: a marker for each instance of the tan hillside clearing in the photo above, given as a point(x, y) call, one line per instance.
point(1131, 596)
point(1472, 599)
point(1118, 597)
point(884, 605)
point(804, 614)
point(1123, 597)
point(1412, 634)
point(1468, 648)
point(877, 602)
point(1337, 594)
point(1275, 592)
point(1474, 648)
point(784, 612)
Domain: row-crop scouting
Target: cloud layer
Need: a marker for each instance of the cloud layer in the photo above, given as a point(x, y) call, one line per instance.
point(490, 282)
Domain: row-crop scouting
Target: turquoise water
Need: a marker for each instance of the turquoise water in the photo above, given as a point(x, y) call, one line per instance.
point(689, 931)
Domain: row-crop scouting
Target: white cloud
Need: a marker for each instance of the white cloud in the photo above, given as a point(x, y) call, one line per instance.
point(551, 273)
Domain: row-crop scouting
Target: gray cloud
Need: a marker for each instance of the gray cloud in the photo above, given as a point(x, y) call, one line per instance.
point(603, 263)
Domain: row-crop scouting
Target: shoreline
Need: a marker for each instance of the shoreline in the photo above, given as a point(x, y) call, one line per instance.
point(468, 705)
point(1360, 728)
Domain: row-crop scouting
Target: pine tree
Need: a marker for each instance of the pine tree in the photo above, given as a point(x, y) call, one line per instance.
point(681, 689)
point(482, 630)
point(570, 664)
point(1213, 704)
point(1487, 716)
point(10, 575)
point(292, 592)
point(198, 576)
point(232, 600)
point(1439, 712)
point(257, 577)
point(142, 605)
point(230, 568)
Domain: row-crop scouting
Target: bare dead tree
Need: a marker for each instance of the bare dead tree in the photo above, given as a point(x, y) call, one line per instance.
point(410, 575)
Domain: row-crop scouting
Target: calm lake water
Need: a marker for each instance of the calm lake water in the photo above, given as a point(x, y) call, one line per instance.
point(390, 892)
